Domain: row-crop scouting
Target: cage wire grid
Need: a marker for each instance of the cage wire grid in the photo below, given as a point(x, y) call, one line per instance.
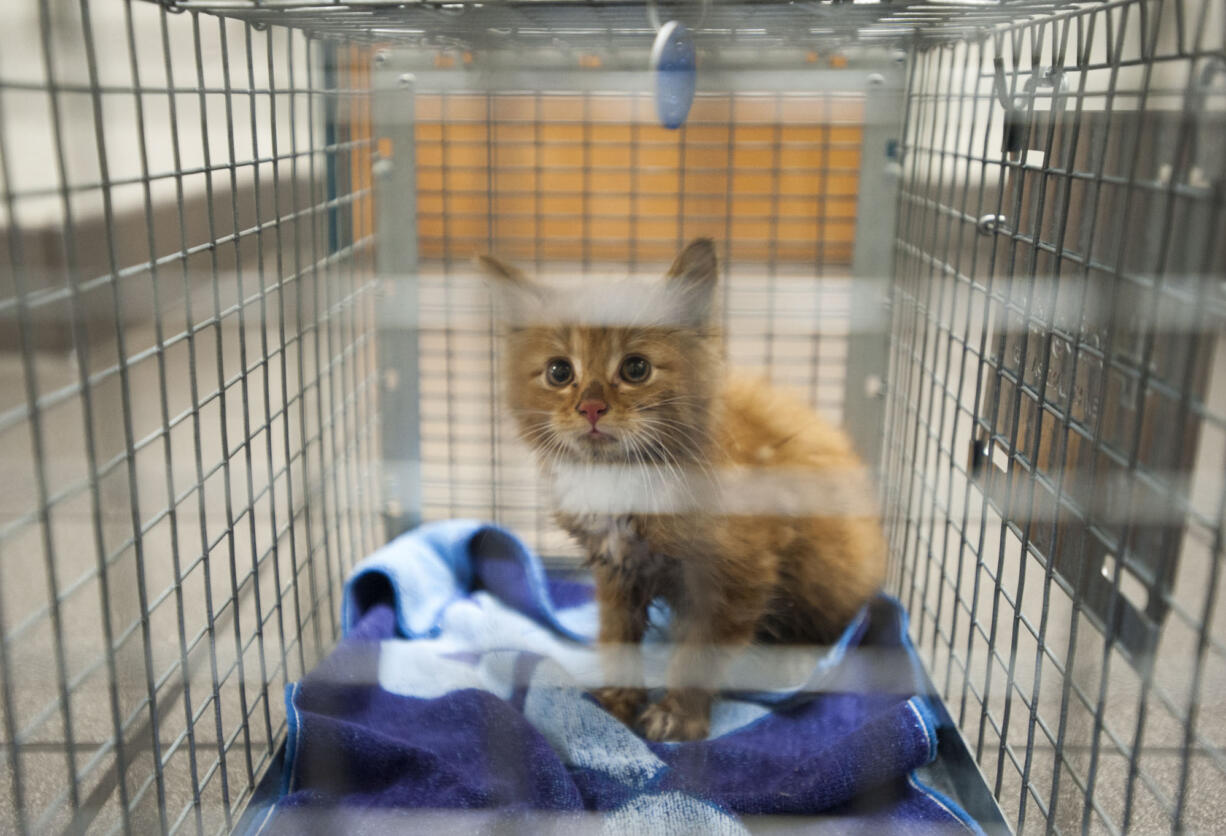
point(258, 451)
point(1057, 311)
point(553, 24)
point(193, 328)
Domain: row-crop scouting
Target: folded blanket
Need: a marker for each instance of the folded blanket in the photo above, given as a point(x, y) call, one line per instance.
point(457, 702)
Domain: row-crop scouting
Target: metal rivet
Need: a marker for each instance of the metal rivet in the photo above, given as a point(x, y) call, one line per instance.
point(874, 386)
point(381, 57)
point(875, 79)
point(406, 79)
point(990, 224)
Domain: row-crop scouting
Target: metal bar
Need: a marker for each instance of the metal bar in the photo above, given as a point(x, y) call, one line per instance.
point(245, 393)
point(328, 118)
point(351, 217)
point(1064, 202)
point(873, 261)
point(491, 223)
point(219, 356)
point(266, 372)
point(46, 533)
point(167, 451)
point(1151, 37)
point(819, 270)
point(197, 441)
point(396, 266)
point(993, 410)
point(917, 332)
point(1171, 532)
point(958, 395)
point(1037, 433)
point(715, 81)
point(772, 246)
point(892, 454)
point(299, 322)
point(80, 341)
point(286, 397)
point(729, 188)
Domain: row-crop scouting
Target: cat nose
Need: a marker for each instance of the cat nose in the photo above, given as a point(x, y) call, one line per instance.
point(592, 410)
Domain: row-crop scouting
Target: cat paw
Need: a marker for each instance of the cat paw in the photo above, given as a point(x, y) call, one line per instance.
point(675, 719)
point(623, 703)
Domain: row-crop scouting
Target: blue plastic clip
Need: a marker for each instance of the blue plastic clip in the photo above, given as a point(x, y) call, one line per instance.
point(673, 60)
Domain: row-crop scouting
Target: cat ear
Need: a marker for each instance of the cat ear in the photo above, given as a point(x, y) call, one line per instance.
point(696, 272)
point(501, 271)
point(514, 292)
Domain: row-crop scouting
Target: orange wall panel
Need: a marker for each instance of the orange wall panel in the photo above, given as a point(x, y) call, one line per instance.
point(560, 177)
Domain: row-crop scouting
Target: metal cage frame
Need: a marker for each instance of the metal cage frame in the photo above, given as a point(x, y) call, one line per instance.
point(1029, 349)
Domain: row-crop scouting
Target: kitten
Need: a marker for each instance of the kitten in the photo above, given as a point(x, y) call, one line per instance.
point(727, 498)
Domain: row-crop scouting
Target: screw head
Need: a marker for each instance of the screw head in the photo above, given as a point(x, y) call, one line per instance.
point(875, 79)
point(406, 79)
point(381, 57)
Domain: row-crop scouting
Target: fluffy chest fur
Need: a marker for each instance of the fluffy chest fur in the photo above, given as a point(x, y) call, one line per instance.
point(611, 538)
point(599, 491)
point(609, 510)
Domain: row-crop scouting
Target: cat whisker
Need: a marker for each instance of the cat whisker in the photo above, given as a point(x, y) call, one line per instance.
point(692, 439)
point(681, 399)
point(698, 459)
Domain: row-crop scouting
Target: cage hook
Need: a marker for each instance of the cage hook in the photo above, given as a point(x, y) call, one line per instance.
point(1017, 109)
point(1000, 86)
point(979, 454)
point(653, 14)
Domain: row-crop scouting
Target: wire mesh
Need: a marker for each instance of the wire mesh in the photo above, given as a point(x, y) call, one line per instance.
point(187, 422)
point(1055, 429)
point(554, 24)
point(191, 420)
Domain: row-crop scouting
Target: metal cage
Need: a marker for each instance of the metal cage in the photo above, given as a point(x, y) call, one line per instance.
point(245, 346)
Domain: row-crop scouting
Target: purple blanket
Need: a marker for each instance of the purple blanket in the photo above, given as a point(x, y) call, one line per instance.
point(456, 703)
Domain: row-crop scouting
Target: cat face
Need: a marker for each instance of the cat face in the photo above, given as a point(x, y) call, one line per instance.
point(589, 383)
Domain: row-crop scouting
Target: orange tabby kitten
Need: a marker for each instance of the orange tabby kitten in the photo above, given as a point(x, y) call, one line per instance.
point(728, 499)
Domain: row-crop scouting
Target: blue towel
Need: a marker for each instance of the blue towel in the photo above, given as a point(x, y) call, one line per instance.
point(456, 702)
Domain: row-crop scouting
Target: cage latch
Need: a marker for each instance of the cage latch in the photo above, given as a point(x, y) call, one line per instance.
point(1019, 109)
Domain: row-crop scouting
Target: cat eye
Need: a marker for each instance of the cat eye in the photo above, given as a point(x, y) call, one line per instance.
point(635, 369)
point(559, 372)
